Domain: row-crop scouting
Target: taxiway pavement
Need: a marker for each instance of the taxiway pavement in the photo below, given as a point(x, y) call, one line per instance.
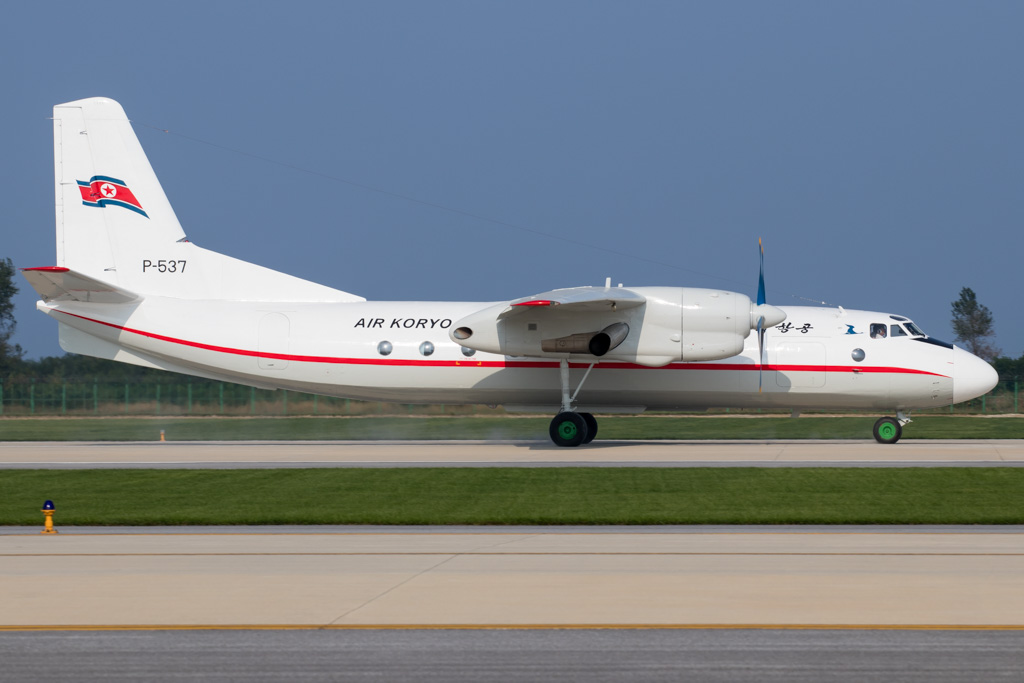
point(513, 578)
point(263, 454)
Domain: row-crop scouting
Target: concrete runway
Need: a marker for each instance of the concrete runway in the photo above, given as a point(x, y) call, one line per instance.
point(534, 579)
point(245, 454)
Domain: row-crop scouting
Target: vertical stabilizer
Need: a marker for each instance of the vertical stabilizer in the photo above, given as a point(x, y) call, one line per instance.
point(102, 176)
point(115, 224)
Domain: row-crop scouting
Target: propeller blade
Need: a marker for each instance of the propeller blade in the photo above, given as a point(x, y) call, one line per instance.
point(760, 280)
point(760, 349)
point(760, 320)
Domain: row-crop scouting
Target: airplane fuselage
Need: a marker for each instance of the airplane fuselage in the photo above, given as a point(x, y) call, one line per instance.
point(402, 352)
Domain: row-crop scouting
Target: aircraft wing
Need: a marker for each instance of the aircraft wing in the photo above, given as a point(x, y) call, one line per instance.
point(54, 283)
point(577, 300)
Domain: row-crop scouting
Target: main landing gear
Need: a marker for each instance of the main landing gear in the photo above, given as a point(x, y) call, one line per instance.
point(570, 428)
point(889, 429)
point(573, 429)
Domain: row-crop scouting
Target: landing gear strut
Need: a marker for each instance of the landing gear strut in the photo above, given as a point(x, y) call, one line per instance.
point(889, 429)
point(570, 428)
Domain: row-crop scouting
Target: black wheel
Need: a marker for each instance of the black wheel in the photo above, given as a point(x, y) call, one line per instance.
point(887, 430)
point(591, 427)
point(568, 429)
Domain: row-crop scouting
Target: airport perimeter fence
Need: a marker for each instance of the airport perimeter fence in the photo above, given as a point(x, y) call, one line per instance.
point(200, 398)
point(27, 397)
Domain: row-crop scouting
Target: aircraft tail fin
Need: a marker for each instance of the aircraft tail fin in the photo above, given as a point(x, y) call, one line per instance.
point(116, 225)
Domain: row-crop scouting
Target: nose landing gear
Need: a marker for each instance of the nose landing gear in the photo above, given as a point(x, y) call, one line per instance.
point(889, 429)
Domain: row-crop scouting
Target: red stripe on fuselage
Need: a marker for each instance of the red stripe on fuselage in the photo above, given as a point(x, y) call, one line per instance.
point(397, 362)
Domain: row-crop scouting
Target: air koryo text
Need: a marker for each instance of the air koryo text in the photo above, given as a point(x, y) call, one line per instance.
point(405, 323)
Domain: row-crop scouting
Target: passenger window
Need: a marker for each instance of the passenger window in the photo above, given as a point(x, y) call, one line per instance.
point(878, 330)
point(896, 331)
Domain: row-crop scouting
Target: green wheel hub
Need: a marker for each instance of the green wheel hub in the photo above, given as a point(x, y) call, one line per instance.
point(887, 430)
point(567, 429)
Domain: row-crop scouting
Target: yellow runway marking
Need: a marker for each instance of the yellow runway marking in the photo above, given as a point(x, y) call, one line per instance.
point(515, 627)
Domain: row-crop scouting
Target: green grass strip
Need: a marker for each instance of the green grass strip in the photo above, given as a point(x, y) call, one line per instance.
point(517, 496)
point(489, 428)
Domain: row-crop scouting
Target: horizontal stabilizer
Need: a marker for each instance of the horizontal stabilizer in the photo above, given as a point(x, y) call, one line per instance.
point(577, 299)
point(55, 283)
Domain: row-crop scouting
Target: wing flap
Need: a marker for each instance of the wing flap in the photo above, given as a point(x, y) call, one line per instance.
point(56, 283)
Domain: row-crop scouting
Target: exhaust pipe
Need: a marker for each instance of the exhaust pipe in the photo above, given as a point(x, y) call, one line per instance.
point(608, 338)
point(594, 343)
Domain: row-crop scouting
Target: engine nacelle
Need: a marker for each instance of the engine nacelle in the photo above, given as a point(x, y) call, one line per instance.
point(692, 324)
point(715, 323)
point(672, 324)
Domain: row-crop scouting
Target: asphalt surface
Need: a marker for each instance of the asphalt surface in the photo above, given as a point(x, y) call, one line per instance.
point(514, 655)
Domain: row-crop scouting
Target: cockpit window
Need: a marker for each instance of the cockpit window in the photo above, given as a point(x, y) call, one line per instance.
point(915, 330)
point(896, 331)
point(878, 330)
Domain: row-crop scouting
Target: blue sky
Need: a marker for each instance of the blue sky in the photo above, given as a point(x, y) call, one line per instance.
point(876, 147)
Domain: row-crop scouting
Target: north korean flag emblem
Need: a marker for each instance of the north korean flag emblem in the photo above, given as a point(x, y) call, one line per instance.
point(102, 191)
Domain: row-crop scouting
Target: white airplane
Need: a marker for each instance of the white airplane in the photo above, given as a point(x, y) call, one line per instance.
point(129, 286)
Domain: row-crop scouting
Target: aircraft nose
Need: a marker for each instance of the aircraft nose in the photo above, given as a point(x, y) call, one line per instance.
point(972, 377)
